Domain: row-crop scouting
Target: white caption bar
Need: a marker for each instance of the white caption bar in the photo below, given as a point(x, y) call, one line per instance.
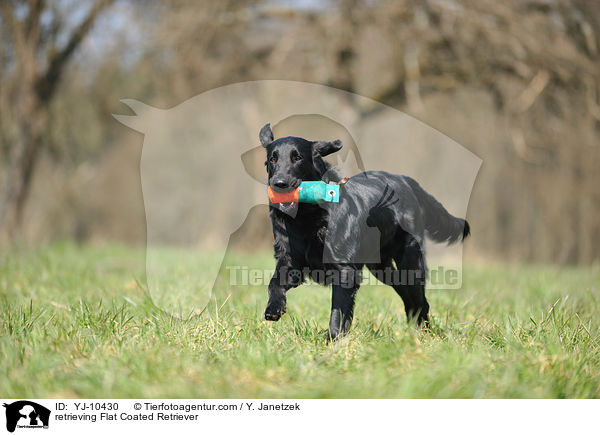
point(249, 416)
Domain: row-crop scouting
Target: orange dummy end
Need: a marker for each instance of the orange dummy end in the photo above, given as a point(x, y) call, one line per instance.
point(275, 197)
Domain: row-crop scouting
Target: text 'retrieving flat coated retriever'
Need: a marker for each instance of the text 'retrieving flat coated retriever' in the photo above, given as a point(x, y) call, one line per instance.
point(326, 242)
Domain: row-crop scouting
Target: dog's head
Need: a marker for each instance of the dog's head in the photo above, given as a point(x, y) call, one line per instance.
point(291, 160)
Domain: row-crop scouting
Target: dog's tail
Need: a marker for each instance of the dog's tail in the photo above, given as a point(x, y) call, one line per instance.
point(441, 226)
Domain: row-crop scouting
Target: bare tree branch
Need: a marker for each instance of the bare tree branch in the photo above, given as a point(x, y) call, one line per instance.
point(32, 24)
point(46, 84)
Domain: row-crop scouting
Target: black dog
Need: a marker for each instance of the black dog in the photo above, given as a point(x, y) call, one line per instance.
point(331, 242)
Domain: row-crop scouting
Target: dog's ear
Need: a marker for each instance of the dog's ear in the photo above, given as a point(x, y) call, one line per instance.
point(325, 148)
point(266, 135)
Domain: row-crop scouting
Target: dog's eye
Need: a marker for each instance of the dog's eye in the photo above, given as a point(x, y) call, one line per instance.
point(273, 159)
point(296, 158)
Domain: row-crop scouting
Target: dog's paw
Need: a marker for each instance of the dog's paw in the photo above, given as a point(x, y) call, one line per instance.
point(274, 311)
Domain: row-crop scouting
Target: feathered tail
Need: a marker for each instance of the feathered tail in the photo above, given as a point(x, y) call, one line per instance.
point(441, 226)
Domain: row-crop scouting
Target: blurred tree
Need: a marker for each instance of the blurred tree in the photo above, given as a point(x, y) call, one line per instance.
point(38, 43)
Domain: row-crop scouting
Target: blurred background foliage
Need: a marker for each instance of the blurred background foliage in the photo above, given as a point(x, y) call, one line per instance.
point(516, 82)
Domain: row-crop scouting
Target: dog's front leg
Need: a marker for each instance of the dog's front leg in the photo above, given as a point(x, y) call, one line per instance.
point(277, 300)
point(283, 279)
point(342, 309)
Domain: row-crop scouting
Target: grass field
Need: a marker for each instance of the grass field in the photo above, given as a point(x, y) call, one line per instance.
point(77, 322)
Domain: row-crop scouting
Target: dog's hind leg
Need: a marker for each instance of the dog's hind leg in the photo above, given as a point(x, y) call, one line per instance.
point(411, 286)
point(390, 275)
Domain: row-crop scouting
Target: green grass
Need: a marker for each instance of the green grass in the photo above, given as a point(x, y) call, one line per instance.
point(78, 322)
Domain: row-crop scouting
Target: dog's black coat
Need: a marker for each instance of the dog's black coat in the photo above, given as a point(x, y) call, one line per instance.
point(394, 204)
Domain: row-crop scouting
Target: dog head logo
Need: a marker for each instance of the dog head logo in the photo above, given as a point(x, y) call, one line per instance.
point(26, 414)
point(203, 170)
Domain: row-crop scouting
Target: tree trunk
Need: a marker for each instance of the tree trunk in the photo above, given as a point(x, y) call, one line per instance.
point(19, 167)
